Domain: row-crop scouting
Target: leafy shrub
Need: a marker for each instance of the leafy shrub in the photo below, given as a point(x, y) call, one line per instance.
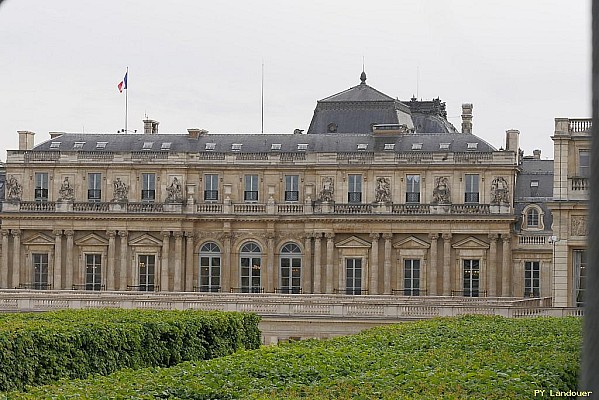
point(41, 348)
point(470, 357)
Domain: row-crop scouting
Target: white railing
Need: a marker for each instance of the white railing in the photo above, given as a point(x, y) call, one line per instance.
point(580, 125)
point(533, 240)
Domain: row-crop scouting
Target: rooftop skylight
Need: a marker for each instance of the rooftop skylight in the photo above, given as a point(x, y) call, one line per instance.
point(148, 145)
point(416, 146)
point(210, 146)
point(389, 146)
point(78, 145)
point(165, 146)
point(362, 146)
point(472, 146)
point(101, 145)
point(55, 145)
point(236, 146)
point(302, 146)
point(275, 146)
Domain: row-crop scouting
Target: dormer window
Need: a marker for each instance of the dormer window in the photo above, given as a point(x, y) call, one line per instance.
point(389, 146)
point(362, 146)
point(302, 146)
point(55, 145)
point(444, 146)
point(472, 146)
point(534, 183)
point(210, 146)
point(165, 146)
point(78, 145)
point(148, 145)
point(236, 146)
point(416, 146)
point(101, 145)
point(275, 146)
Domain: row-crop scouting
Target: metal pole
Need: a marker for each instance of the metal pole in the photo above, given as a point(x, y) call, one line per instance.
point(590, 352)
point(126, 97)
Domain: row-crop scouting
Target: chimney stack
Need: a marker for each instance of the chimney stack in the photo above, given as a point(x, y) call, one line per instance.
point(467, 118)
point(536, 154)
point(512, 137)
point(195, 133)
point(25, 140)
point(150, 126)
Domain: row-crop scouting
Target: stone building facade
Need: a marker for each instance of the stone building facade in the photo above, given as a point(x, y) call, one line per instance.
point(380, 197)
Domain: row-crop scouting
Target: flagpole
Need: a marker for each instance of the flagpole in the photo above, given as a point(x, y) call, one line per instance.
point(262, 96)
point(126, 99)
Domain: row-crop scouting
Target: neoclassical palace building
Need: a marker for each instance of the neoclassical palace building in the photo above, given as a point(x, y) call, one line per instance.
point(379, 197)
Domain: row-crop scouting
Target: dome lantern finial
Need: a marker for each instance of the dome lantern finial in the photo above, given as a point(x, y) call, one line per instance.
point(363, 77)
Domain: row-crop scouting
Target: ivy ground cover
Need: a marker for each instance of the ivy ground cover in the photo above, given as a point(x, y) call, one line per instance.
point(471, 357)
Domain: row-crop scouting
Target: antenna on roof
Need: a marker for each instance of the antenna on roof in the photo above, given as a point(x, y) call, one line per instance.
point(262, 97)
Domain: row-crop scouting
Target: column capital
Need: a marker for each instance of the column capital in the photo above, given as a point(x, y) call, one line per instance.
point(57, 232)
point(178, 234)
point(166, 234)
point(374, 236)
point(69, 232)
point(447, 236)
point(493, 236)
point(317, 235)
point(111, 233)
point(307, 235)
point(387, 236)
point(329, 235)
point(123, 234)
point(190, 234)
point(228, 235)
point(269, 235)
point(15, 232)
point(433, 236)
point(4, 232)
point(506, 237)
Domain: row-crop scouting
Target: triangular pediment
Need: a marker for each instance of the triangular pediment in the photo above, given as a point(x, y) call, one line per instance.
point(353, 242)
point(92, 240)
point(411, 242)
point(471, 243)
point(145, 240)
point(39, 238)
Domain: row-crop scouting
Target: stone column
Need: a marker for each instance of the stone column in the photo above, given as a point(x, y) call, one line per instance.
point(16, 257)
point(387, 265)
point(189, 267)
point(434, 237)
point(177, 281)
point(317, 266)
point(329, 272)
point(374, 264)
point(57, 280)
point(4, 266)
point(270, 263)
point(506, 269)
point(166, 238)
point(446, 264)
point(492, 265)
point(110, 271)
point(228, 278)
point(69, 272)
point(307, 264)
point(123, 264)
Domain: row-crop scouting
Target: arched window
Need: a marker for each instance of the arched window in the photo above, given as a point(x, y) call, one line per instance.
point(532, 218)
point(290, 269)
point(210, 268)
point(250, 263)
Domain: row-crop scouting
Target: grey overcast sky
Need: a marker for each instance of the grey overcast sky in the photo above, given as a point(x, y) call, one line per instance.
point(197, 64)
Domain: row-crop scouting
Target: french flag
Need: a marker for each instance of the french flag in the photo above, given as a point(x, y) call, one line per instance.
point(123, 84)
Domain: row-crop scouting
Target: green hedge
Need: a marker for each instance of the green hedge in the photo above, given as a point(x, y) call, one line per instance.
point(463, 358)
point(39, 348)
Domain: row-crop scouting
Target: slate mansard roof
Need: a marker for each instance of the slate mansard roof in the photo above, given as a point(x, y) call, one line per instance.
point(534, 185)
point(259, 143)
point(358, 108)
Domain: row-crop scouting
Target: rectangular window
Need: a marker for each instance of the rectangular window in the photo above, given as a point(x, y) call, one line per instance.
point(471, 194)
point(471, 278)
point(147, 270)
point(94, 191)
point(210, 187)
point(93, 272)
point(413, 189)
point(353, 277)
point(290, 270)
point(584, 163)
point(209, 273)
point(148, 188)
point(580, 275)
point(532, 279)
point(40, 271)
point(412, 277)
point(250, 193)
point(354, 189)
point(41, 186)
point(251, 277)
point(291, 188)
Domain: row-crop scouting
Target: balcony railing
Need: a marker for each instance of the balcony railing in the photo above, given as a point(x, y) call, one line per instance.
point(580, 183)
point(580, 125)
point(227, 208)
